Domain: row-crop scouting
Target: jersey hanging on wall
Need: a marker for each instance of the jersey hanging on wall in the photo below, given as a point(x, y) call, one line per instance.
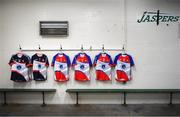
point(103, 63)
point(61, 63)
point(20, 64)
point(123, 64)
point(82, 63)
point(40, 64)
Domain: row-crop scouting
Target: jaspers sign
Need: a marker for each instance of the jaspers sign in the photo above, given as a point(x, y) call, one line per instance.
point(158, 17)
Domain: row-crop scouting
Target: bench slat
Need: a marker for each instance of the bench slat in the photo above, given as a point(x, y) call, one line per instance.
point(122, 90)
point(26, 90)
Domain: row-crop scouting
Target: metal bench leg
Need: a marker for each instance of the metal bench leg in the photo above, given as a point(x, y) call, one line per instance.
point(171, 97)
point(77, 98)
point(5, 103)
point(43, 97)
point(124, 98)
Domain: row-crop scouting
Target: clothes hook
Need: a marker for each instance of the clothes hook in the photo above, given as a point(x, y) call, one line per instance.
point(103, 47)
point(90, 48)
point(123, 47)
point(20, 48)
point(82, 48)
point(39, 47)
point(60, 47)
point(123, 50)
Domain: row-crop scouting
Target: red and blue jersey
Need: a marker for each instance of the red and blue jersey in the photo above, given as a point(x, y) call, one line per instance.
point(123, 64)
point(82, 63)
point(103, 63)
point(61, 63)
point(20, 64)
point(40, 64)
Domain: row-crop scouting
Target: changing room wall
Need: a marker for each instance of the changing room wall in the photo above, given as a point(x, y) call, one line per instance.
point(93, 23)
point(1, 37)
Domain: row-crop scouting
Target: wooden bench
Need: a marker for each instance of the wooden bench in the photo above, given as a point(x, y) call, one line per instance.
point(124, 91)
point(43, 91)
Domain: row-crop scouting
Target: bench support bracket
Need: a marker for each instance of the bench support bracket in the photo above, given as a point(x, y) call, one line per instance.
point(43, 98)
point(171, 97)
point(5, 102)
point(124, 98)
point(77, 98)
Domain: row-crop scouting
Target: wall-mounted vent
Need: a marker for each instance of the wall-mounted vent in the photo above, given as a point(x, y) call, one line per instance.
point(57, 28)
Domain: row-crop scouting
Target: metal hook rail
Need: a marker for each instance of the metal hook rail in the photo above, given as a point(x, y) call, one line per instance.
point(29, 50)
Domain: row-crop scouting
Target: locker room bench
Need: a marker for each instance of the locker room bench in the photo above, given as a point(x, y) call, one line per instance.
point(124, 92)
point(43, 91)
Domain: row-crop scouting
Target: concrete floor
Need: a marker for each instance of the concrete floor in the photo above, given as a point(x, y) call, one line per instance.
point(90, 110)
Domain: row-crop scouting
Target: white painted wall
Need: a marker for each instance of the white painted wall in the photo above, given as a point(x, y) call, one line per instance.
point(94, 22)
point(1, 40)
point(1, 29)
